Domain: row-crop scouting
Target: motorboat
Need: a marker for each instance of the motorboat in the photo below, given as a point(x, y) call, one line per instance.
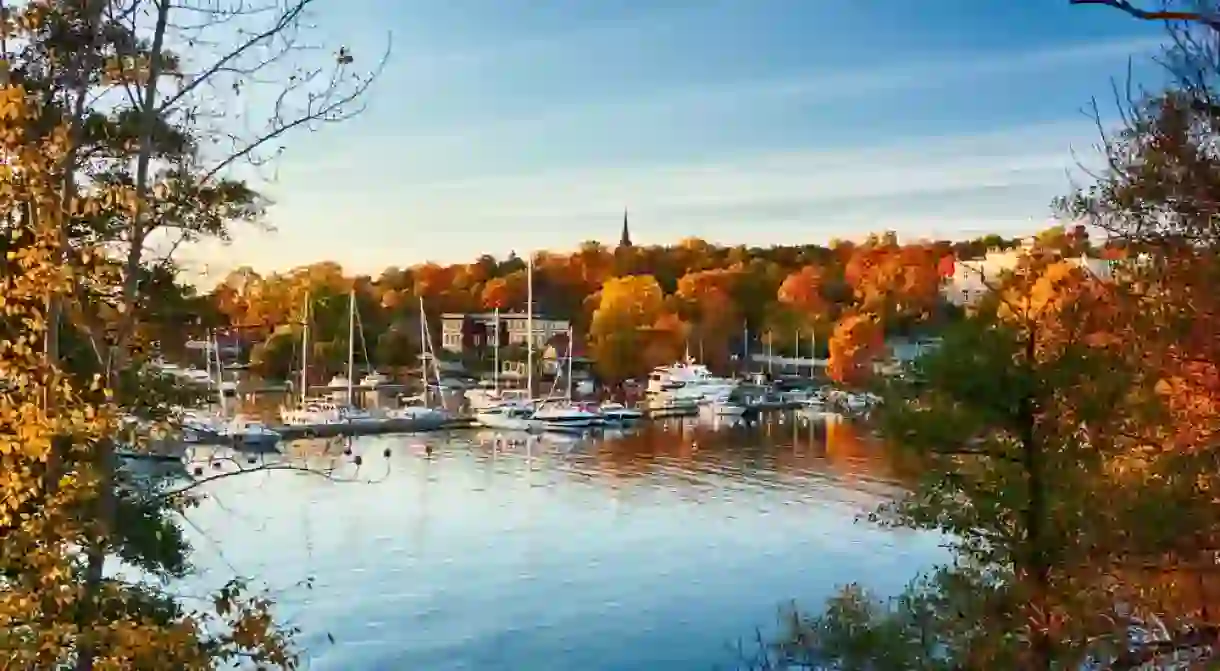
point(373, 379)
point(508, 417)
point(324, 411)
point(244, 431)
point(481, 398)
point(564, 417)
point(618, 413)
point(416, 408)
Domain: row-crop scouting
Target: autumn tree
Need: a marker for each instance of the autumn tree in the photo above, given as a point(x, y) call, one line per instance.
point(708, 298)
point(507, 293)
point(1063, 420)
point(625, 327)
point(855, 344)
point(105, 159)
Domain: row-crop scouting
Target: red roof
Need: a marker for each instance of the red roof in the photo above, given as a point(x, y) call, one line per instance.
point(947, 265)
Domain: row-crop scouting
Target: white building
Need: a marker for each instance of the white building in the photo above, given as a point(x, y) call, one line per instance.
point(973, 279)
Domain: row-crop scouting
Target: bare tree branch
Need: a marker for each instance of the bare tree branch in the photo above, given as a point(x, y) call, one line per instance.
point(1210, 20)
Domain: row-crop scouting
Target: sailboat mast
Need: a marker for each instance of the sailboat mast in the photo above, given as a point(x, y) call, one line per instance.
point(351, 344)
point(570, 345)
point(529, 325)
point(305, 349)
point(745, 347)
point(423, 352)
point(214, 346)
point(207, 355)
point(495, 374)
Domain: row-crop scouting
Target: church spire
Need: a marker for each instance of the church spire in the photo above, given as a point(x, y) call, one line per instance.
point(625, 240)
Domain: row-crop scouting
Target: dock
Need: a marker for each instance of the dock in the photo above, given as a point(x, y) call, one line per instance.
point(299, 431)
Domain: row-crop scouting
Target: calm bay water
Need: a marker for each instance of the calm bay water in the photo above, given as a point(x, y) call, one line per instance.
point(656, 550)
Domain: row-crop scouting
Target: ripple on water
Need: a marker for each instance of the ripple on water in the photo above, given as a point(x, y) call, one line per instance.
point(638, 554)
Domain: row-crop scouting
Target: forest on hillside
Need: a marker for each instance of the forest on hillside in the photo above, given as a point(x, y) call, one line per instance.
point(632, 307)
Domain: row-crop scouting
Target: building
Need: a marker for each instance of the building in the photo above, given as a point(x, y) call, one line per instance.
point(555, 357)
point(467, 332)
point(625, 237)
point(973, 279)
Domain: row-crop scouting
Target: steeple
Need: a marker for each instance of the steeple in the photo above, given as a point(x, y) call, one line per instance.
point(625, 240)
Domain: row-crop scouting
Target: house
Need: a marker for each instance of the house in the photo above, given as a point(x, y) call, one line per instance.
point(972, 279)
point(555, 357)
point(466, 332)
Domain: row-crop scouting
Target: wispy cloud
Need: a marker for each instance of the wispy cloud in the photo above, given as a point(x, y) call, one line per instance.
point(1036, 154)
point(922, 186)
point(808, 87)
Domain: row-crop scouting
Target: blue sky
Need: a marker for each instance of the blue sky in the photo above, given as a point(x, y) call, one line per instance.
point(505, 125)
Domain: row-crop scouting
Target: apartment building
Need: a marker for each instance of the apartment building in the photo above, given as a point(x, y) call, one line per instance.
point(462, 332)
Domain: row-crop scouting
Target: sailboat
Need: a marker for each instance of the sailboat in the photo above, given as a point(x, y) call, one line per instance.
point(482, 398)
point(517, 414)
point(561, 414)
point(418, 408)
point(241, 430)
point(313, 412)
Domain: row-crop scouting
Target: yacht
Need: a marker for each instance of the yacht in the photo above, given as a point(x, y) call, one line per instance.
point(338, 387)
point(245, 431)
point(693, 379)
point(482, 398)
point(564, 417)
point(374, 379)
point(416, 408)
point(507, 417)
point(617, 413)
point(193, 374)
point(313, 412)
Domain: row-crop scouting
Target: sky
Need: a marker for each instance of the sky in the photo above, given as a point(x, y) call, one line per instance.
point(520, 125)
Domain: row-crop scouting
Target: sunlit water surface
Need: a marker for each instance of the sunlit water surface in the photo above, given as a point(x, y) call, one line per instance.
point(664, 549)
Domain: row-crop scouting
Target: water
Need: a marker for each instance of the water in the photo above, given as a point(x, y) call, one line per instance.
point(658, 550)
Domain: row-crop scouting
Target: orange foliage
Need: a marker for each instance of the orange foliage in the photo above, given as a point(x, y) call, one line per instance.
point(857, 340)
point(506, 293)
point(803, 291)
point(892, 278)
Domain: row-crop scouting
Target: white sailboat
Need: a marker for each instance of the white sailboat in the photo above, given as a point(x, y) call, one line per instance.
point(482, 398)
point(418, 408)
point(562, 415)
point(337, 409)
point(240, 430)
point(518, 414)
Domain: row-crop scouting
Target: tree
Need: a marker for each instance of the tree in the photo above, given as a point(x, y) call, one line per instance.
point(628, 306)
point(507, 293)
point(104, 160)
point(856, 342)
point(398, 346)
point(803, 291)
point(1058, 423)
point(275, 357)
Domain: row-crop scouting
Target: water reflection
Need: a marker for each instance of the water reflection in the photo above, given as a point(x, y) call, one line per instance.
point(654, 549)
